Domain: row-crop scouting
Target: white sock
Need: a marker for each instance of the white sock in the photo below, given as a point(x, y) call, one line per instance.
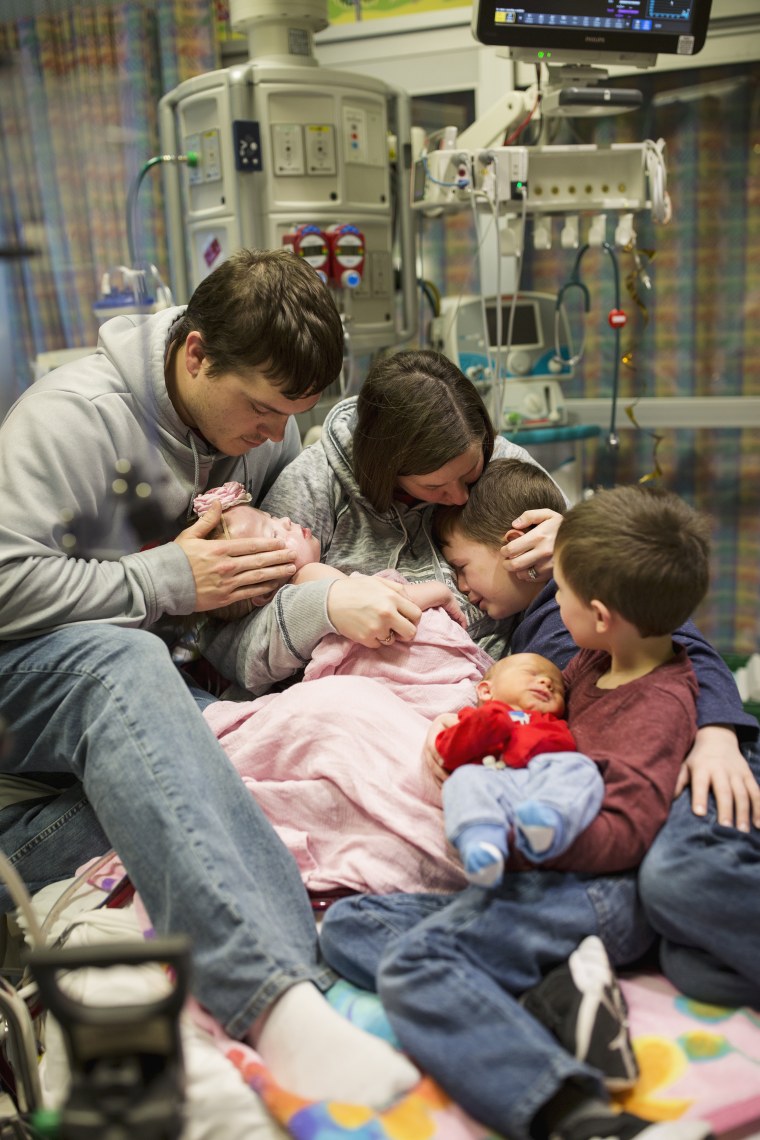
point(314, 1052)
point(483, 864)
point(540, 829)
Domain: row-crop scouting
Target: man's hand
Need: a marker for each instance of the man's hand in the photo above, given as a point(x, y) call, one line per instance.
point(534, 548)
point(372, 611)
point(233, 569)
point(429, 752)
point(716, 763)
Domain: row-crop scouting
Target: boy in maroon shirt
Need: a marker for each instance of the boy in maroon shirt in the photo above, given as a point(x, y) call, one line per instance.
point(631, 565)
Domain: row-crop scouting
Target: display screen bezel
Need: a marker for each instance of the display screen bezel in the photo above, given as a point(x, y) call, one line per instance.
point(564, 39)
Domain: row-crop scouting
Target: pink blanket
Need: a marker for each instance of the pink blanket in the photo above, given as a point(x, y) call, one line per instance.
point(335, 760)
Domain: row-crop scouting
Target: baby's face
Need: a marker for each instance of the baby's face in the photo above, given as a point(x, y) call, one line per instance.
point(528, 681)
point(483, 577)
point(244, 521)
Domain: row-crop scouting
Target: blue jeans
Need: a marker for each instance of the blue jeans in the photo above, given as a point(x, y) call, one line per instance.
point(449, 971)
point(104, 710)
point(700, 886)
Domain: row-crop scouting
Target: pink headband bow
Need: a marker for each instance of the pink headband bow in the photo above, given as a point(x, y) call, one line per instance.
point(229, 495)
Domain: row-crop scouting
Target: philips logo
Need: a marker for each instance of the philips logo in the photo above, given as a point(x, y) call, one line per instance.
point(595, 39)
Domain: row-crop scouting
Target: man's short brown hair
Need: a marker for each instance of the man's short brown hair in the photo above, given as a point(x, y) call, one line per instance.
point(270, 310)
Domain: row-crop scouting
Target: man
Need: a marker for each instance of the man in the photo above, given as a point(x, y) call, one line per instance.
point(104, 745)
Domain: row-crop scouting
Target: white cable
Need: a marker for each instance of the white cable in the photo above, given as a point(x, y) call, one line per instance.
point(574, 357)
point(481, 242)
point(22, 899)
point(498, 385)
point(497, 398)
point(497, 411)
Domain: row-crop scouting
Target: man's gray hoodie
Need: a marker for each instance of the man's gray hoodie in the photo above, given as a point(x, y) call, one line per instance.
point(71, 544)
point(319, 490)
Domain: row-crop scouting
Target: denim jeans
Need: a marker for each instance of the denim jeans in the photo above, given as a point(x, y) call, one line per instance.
point(700, 886)
point(104, 710)
point(449, 972)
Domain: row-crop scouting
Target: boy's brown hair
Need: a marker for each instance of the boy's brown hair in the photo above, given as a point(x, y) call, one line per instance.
point(641, 551)
point(506, 488)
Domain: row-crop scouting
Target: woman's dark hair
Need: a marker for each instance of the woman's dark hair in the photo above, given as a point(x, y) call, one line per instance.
point(267, 309)
point(415, 413)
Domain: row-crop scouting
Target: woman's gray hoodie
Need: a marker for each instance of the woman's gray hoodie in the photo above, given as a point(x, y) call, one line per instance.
point(319, 490)
point(71, 545)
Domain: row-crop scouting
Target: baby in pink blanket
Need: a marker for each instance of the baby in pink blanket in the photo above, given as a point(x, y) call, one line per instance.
point(241, 520)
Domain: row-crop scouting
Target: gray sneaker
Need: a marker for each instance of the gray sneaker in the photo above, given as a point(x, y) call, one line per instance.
point(581, 1003)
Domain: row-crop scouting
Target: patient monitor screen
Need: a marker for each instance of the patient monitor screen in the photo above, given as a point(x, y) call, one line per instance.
point(526, 326)
point(671, 26)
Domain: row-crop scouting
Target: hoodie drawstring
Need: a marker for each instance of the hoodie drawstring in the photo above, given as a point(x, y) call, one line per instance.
point(196, 475)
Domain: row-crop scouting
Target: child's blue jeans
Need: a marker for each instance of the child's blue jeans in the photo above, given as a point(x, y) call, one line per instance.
point(450, 970)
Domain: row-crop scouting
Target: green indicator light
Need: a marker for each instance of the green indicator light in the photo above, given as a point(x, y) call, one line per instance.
point(540, 55)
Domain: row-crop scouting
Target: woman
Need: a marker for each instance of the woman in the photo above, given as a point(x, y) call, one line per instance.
point(417, 436)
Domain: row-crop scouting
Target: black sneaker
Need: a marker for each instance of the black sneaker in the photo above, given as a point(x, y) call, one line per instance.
point(583, 1006)
point(625, 1126)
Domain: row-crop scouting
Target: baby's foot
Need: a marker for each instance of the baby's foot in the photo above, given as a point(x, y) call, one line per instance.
point(482, 848)
point(483, 864)
point(539, 830)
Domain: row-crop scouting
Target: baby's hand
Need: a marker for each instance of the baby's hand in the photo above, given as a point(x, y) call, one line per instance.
point(428, 595)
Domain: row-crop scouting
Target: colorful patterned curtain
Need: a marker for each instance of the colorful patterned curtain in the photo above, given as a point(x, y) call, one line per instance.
point(695, 333)
point(79, 92)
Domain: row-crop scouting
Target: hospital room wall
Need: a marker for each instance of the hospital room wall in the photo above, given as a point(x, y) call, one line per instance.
point(697, 332)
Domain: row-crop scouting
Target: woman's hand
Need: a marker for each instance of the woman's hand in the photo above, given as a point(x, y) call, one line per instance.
point(372, 611)
point(716, 763)
point(533, 549)
point(429, 753)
